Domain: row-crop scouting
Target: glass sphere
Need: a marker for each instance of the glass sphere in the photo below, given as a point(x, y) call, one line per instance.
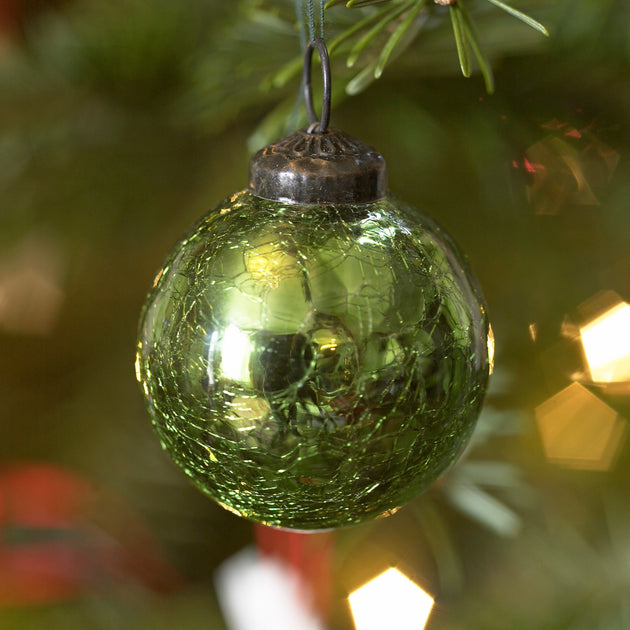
point(310, 367)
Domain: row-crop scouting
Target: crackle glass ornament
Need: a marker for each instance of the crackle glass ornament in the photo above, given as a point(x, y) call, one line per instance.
point(314, 352)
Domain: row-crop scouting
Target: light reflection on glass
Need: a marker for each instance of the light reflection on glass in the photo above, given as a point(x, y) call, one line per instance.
point(268, 263)
point(566, 167)
point(390, 600)
point(606, 343)
point(578, 430)
point(558, 176)
point(491, 347)
point(236, 348)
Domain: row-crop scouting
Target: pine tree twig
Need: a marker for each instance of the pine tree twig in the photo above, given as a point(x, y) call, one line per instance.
point(464, 31)
point(387, 26)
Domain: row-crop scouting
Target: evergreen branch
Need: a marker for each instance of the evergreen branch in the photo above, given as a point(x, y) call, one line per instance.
point(292, 68)
point(464, 31)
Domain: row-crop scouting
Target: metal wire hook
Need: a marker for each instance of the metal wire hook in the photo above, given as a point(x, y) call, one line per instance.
point(321, 125)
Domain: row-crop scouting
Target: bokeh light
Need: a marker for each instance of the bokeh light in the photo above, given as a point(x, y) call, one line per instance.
point(606, 343)
point(390, 600)
point(578, 430)
point(31, 286)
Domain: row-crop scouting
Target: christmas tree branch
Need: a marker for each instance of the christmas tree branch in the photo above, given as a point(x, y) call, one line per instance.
point(397, 18)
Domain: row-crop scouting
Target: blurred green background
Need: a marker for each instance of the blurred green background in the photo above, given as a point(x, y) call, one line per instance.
point(123, 121)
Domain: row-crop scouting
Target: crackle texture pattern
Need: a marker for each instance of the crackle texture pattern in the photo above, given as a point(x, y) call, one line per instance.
point(312, 367)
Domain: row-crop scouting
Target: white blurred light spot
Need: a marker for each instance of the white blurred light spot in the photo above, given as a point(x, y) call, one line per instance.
point(390, 600)
point(606, 342)
point(256, 593)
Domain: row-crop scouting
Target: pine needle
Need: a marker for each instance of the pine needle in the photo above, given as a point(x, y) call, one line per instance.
point(521, 16)
point(356, 4)
point(358, 48)
point(395, 37)
point(471, 36)
point(360, 81)
point(460, 40)
point(359, 26)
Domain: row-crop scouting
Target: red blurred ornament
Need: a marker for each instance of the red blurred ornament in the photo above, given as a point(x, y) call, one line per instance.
point(55, 544)
point(309, 555)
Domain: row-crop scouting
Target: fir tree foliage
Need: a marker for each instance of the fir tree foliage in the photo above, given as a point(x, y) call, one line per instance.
point(399, 17)
point(408, 37)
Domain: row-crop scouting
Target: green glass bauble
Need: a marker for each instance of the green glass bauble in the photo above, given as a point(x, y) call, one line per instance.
point(313, 365)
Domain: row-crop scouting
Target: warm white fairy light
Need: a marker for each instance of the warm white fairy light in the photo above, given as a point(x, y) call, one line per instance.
point(579, 430)
point(390, 600)
point(606, 342)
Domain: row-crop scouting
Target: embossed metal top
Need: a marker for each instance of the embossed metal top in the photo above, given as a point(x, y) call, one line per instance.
point(318, 168)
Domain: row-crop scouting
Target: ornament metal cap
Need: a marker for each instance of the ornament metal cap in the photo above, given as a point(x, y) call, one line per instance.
point(318, 165)
point(318, 168)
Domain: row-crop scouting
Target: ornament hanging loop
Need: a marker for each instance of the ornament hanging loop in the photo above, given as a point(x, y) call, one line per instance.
point(321, 125)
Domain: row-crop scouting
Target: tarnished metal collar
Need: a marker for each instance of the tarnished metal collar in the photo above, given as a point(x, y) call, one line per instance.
point(318, 168)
